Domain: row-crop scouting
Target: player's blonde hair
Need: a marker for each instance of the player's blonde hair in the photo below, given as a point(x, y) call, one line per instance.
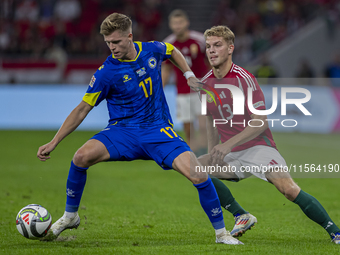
point(221, 31)
point(115, 21)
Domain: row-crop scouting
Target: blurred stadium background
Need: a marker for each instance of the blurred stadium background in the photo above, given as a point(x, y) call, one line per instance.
point(50, 48)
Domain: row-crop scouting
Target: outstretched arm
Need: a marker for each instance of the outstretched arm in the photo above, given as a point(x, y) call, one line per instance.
point(178, 60)
point(73, 120)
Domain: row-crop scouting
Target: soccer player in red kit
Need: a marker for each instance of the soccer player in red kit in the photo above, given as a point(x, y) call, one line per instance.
point(247, 146)
point(192, 45)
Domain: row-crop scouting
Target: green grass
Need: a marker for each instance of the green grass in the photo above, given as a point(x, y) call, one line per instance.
point(137, 208)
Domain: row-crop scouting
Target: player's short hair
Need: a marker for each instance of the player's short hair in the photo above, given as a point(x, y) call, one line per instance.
point(221, 31)
point(115, 21)
point(178, 13)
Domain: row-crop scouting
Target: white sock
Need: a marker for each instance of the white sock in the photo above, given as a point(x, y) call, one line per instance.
point(70, 215)
point(220, 231)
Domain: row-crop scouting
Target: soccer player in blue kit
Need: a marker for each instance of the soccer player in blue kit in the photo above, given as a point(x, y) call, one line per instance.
point(139, 126)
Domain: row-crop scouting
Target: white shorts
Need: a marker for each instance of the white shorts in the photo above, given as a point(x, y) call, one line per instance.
point(188, 107)
point(255, 161)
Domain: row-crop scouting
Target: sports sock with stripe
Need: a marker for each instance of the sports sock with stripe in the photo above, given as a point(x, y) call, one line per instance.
point(226, 198)
point(315, 211)
point(210, 203)
point(75, 186)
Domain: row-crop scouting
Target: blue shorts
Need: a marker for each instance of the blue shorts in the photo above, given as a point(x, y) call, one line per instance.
point(160, 144)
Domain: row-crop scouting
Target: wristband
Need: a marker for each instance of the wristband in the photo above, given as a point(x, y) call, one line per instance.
point(188, 74)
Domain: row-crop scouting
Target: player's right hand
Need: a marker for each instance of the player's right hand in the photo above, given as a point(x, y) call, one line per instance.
point(44, 151)
point(195, 83)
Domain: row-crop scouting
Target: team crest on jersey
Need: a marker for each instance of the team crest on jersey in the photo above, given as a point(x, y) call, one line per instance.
point(141, 71)
point(209, 98)
point(93, 80)
point(126, 78)
point(152, 62)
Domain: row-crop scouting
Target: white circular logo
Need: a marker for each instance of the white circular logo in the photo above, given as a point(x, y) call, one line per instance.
point(152, 62)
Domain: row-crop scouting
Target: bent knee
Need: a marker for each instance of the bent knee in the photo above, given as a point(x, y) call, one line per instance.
point(81, 158)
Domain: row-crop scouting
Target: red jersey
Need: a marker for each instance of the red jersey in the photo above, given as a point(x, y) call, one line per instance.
point(193, 50)
point(243, 80)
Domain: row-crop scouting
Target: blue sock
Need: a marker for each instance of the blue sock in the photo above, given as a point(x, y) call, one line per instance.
point(74, 188)
point(210, 203)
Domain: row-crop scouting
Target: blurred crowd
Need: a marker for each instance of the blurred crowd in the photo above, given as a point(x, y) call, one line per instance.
point(35, 27)
point(61, 29)
point(259, 24)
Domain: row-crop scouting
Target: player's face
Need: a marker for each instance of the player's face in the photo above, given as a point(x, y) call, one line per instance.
point(218, 51)
point(120, 44)
point(178, 25)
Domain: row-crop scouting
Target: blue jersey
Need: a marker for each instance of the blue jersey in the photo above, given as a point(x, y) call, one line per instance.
point(133, 88)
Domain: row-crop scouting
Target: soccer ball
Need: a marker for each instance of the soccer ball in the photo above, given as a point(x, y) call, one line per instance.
point(33, 221)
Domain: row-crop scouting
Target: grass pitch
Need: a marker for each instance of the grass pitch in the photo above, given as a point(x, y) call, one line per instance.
point(137, 208)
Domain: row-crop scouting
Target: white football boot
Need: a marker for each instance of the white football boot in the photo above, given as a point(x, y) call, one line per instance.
point(243, 223)
point(226, 238)
point(60, 225)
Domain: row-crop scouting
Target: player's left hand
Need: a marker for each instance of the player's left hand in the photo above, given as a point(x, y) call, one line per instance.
point(218, 153)
point(195, 83)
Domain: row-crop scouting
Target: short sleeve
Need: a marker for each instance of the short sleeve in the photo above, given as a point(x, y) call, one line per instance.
point(163, 48)
point(97, 90)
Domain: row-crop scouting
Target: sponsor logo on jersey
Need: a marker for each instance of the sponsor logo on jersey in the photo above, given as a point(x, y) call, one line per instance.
point(101, 67)
point(141, 71)
point(126, 78)
point(152, 62)
point(93, 80)
point(222, 95)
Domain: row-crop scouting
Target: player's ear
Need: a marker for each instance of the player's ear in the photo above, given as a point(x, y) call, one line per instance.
point(231, 48)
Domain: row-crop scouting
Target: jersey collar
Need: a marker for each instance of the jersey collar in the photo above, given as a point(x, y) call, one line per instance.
point(138, 46)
